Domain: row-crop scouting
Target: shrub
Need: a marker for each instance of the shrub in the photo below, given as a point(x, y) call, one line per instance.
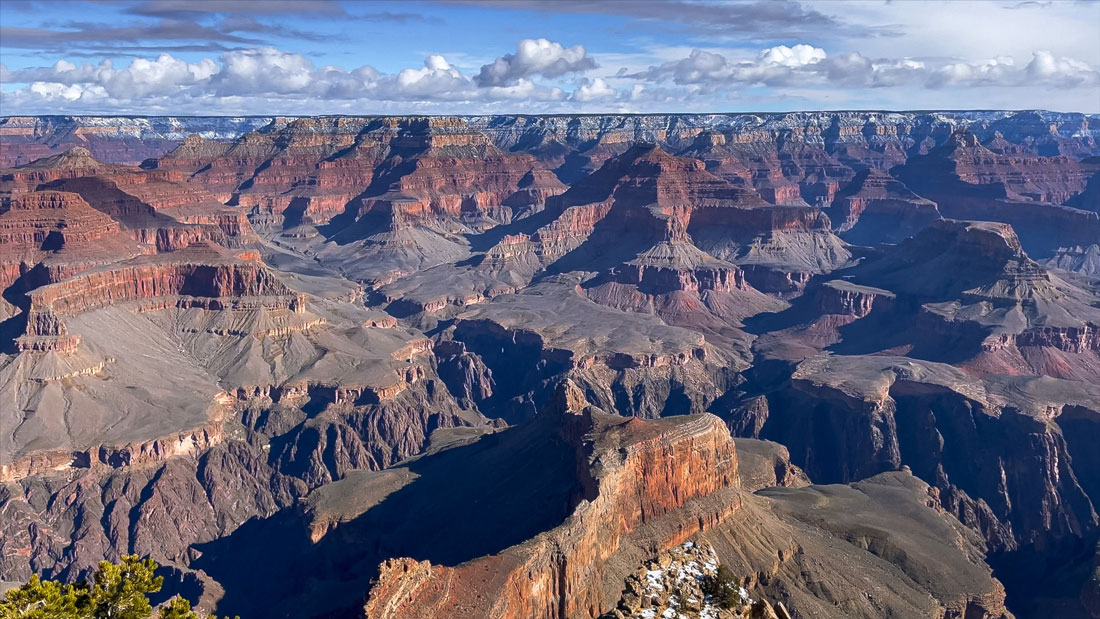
point(721, 587)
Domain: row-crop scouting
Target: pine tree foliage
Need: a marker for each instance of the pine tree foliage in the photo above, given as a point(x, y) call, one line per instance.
point(116, 591)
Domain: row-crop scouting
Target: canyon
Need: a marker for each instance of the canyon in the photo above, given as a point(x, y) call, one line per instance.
point(507, 366)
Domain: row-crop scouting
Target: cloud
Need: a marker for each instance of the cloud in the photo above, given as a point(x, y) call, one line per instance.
point(143, 77)
point(797, 56)
point(436, 79)
point(269, 80)
point(535, 57)
point(593, 90)
point(186, 8)
point(807, 66)
point(994, 71)
point(246, 23)
point(761, 19)
point(390, 16)
point(773, 66)
point(253, 73)
point(257, 71)
point(1067, 72)
point(183, 25)
point(77, 34)
point(48, 91)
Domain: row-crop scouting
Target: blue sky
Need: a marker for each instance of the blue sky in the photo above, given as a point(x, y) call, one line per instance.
point(521, 56)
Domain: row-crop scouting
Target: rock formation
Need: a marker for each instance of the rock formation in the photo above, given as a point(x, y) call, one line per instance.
point(876, 208)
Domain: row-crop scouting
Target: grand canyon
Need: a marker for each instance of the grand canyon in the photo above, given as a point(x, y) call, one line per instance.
point(546, 365)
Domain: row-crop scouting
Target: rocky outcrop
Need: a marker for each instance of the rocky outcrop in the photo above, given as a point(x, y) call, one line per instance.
point(984, 302)
point(453, 172)
point(73, 163)
point(684, 286)
point(47, 236)
point(154, 207)
point(195, 277)
point(628, 362)
point(807, 548)
point(848, 299)
point(876, 208)
point(672, 583)
point(167, 214)
point(147, 452)
point(879, 138)
point(199, 271)
point(630, 475)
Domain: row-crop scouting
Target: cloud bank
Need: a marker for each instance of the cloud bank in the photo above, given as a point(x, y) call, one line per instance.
point(805, 65)
point(540, 75)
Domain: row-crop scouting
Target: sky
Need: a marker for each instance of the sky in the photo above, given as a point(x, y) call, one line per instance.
point(304, 57)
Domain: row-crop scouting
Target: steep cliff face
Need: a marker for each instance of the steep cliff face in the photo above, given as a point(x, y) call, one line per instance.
point(878, 139)
point(73, 163)
point(958, 292)
point(826, 538)
point(154, 207)
point(196, 271)
point(440, 168)
point(845, 298)
point(629, 475)
point(980, 443)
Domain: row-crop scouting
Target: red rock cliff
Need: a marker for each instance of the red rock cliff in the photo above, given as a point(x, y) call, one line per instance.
point(632, 474)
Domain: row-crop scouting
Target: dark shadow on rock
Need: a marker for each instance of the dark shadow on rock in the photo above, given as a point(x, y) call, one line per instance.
point(524, 225)
point(469, 501)
point(1050, 570)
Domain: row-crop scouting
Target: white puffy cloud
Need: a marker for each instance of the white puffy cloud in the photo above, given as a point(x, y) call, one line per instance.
point(1045, 67)
point(523, 90)
point(535, 57)
point(797, 56)
point(700, 66)
point(773, 65)
point(161, 76)
point(1000, 70)
point(437, 78)
point(52, 91)
point(593, 90)
point(265, 70)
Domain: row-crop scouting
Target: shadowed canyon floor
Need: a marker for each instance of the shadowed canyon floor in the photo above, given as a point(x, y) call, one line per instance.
point(504, 366)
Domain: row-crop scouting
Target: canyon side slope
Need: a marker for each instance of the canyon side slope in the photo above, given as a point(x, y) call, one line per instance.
point(514, 366)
